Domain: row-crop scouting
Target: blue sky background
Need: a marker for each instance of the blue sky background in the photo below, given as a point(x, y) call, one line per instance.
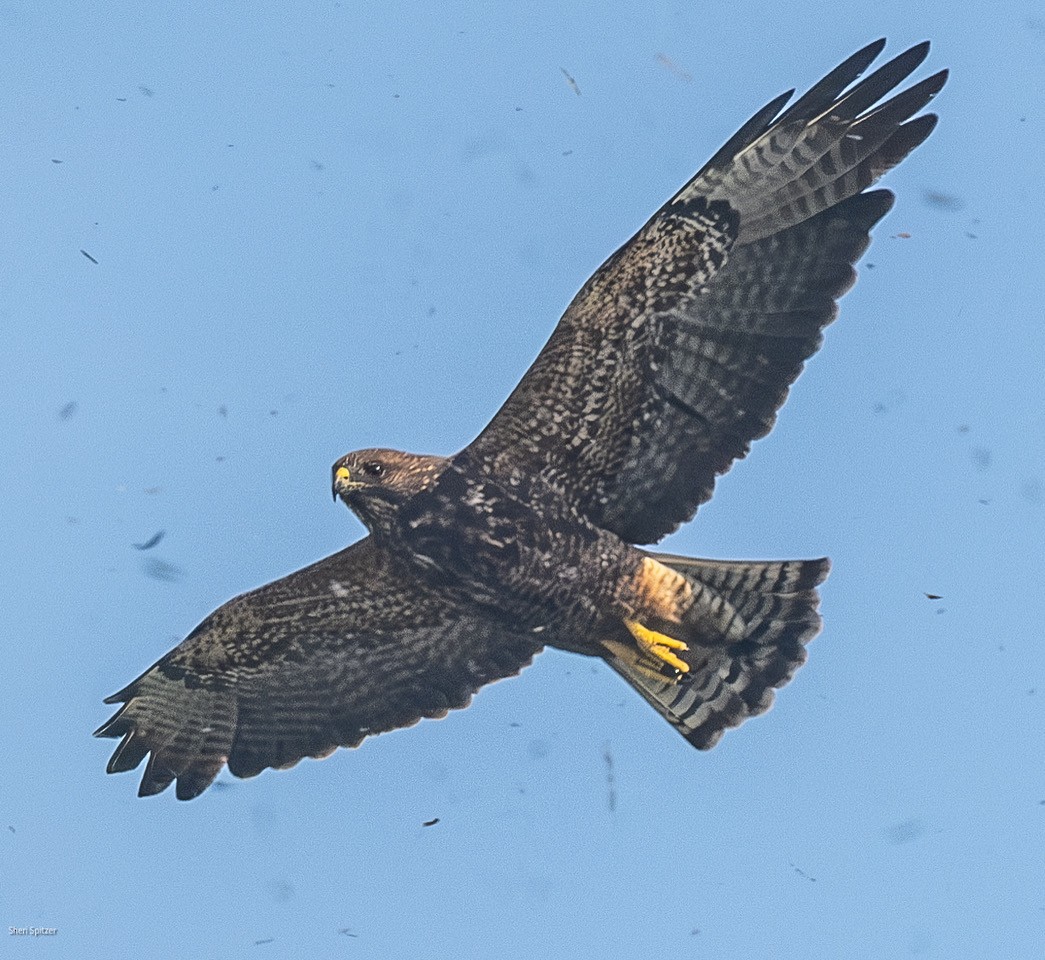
point(321, 226)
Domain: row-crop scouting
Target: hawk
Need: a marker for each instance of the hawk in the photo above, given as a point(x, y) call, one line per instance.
point(667, 364)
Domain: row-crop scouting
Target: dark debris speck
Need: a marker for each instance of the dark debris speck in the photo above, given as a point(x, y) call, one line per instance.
point(161, 570)
point(943, 201)
point(151, 542)
point(905, 831)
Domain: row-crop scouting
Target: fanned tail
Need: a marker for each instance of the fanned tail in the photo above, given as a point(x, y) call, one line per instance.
point(746, 633)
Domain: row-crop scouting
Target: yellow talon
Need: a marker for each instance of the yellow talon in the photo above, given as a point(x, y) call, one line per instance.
point(658, 645)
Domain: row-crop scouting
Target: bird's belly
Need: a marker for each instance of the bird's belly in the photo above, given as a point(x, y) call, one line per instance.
point(533, 563)
point(556, 578)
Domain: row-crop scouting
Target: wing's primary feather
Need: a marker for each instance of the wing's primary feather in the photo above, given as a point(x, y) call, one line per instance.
point(336, 652)
point(681, 348)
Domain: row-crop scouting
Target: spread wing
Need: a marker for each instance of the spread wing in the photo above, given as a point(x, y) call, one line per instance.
point(681, 348)
point(323, 658)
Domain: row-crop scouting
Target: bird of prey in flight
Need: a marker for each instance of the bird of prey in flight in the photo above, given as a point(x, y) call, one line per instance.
point(668, 363)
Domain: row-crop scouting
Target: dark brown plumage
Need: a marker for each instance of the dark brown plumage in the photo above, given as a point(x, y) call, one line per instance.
point(670, 361)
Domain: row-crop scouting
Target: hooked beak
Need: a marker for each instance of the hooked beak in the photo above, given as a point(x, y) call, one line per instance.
point(343, 482)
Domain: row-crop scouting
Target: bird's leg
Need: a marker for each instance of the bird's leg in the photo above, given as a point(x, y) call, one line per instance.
point(658, 645)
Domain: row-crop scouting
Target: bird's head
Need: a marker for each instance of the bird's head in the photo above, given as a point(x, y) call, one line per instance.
point(375, 483)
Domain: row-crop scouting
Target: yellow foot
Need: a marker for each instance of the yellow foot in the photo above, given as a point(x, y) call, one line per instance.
point(658, 645)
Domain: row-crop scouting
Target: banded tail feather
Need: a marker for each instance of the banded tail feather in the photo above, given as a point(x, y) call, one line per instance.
point(746, 632)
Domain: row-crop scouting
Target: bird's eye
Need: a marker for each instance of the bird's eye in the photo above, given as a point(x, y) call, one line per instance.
point(373, 468)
